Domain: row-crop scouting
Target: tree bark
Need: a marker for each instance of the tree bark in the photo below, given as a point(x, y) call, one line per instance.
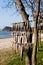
point(34, 58)
point(23, 12)
point(25, 19)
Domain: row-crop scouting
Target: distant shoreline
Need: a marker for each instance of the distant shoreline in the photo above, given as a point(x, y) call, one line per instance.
point(5, 34)
point(7, 37)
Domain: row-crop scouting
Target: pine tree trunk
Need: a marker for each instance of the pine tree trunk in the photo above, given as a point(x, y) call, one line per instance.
point(24, 17)
point(23, 12)
point(34, 47)
point(34, 58)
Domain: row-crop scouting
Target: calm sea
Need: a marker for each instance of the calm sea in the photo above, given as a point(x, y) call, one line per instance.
point(5, 34)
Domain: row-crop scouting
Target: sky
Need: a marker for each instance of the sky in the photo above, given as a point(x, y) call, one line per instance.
point(8, 15)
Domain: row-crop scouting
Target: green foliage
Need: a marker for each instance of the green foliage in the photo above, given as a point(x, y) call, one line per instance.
point(17, 60)
point(40, 55)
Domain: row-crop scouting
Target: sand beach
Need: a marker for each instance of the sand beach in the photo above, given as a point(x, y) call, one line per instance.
point(6, 43)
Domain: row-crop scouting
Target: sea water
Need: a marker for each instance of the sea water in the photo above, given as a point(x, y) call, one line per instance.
point(4, 34)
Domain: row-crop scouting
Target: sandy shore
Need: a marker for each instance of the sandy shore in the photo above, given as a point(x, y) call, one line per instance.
point(6, 43)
